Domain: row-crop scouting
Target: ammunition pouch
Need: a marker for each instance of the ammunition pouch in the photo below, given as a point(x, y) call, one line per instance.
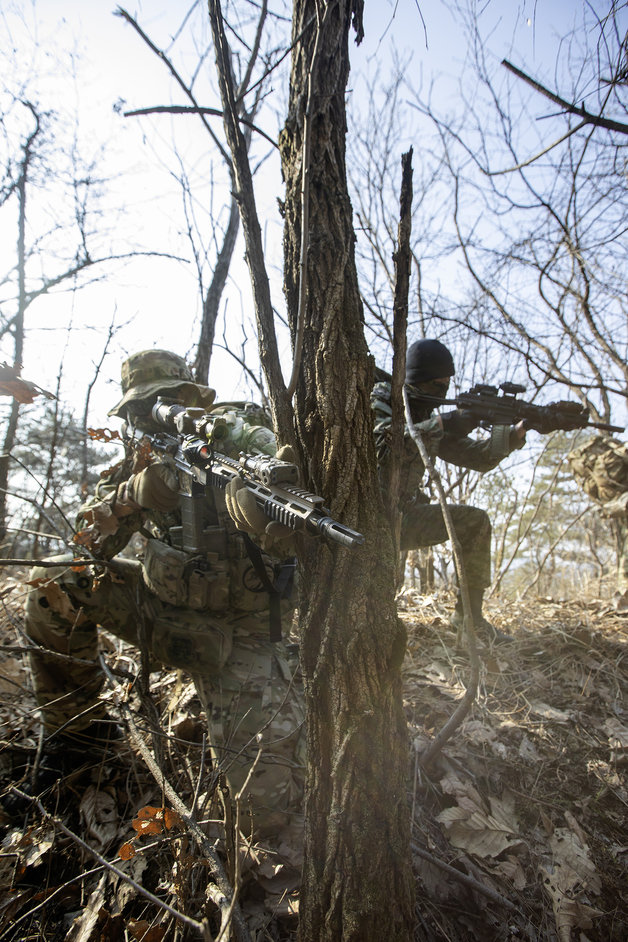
point(200, 583)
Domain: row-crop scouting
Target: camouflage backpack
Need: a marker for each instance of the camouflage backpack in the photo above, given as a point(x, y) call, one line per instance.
point(601, 467)
point(248, 427)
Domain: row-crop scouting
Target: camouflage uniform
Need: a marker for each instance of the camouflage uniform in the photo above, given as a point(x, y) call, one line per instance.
point(601, 467)
point(206, 612)
point(422, 523)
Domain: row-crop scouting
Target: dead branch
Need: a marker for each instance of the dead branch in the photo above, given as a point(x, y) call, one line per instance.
point(579, 110)
point(198, 927)
point(184, 109)
point(162, 55)
point(463, 878)
point(401, 259)
point(205, 846)
point(243, 187)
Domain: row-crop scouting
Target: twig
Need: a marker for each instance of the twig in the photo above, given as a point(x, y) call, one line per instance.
point(226, 914)
point(189, 109)
point(191, 923)
point(581, 112)
point(241, 931)
point(45, 563)
point(187, 91)
point(463, 877)
point(530, 160)
point(464, 706)
point(44, 902)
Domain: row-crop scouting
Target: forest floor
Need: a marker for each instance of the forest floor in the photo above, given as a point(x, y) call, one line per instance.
point(519, 825)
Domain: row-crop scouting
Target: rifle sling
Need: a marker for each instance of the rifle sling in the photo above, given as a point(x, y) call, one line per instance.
point(276, 591)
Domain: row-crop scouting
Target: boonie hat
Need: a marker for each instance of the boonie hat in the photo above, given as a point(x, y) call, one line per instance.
point(150, 372)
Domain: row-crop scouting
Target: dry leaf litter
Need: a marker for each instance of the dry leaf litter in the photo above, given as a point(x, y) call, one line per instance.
point(519, 825)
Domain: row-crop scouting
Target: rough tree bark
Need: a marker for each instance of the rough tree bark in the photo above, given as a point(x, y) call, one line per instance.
point(357, 882)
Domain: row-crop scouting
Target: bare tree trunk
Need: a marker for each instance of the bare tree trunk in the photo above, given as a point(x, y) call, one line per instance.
point(401, 258)
point(211, 302)
point(357, 881)
point(245, 197)
point(18, 325)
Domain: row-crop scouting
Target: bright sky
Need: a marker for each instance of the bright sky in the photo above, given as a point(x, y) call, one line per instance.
point(157, 298)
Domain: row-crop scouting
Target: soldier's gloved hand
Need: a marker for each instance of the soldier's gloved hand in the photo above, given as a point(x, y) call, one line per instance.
point(271, 535)
point(459, 422)
point(155, 488)
point(243, 508)
point(564, 416)
point(286, 453)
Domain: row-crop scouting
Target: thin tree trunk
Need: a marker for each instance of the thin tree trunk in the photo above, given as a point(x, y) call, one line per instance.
point(245, 197)
point(401, 258)
point(18, 339)
point(211, 302)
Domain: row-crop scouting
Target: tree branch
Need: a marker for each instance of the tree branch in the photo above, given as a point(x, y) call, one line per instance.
point(580, 111)
point(189, 109)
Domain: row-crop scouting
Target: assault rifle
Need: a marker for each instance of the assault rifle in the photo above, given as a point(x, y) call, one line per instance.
point(485, 404)
point(190, 436)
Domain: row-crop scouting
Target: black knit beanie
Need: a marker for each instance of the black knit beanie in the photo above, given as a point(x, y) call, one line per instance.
point(426, 360)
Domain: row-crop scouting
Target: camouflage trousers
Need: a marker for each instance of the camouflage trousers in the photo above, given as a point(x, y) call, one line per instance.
point(249, 686)
point(423, 525)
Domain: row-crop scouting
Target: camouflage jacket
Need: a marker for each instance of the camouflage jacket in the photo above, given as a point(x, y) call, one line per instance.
point(466, 452)
point(601, 466)
point(219, 577)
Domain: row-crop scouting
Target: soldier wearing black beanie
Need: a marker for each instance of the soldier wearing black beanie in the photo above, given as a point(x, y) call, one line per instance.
point(429, 368)
point(427, 360)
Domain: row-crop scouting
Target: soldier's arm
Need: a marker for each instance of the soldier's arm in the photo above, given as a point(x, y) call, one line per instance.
point(108, 520)
point(481, 455)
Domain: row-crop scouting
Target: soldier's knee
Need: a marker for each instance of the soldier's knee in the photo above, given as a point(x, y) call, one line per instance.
point(487, 521)
point(50, 608)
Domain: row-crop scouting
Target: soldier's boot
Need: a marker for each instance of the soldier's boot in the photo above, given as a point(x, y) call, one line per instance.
point(483, 628)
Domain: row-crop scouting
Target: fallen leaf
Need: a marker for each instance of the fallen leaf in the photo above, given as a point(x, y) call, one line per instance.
point(571, 873)
point(143, 931)
point(83, 926)
point(471, 827)
point(151, 820)
point(99, 814)
point(30, 845)
point(549, 712)
point(617, 737)
point(527, 750)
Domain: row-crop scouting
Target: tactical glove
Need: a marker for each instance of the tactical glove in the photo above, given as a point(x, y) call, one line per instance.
point(459, 422)
point(272, 536)
point(155, 488)
point(560, 416)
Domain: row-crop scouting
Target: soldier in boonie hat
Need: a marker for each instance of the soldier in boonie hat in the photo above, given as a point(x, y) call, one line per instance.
point(149, 373)
point(198, 606)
